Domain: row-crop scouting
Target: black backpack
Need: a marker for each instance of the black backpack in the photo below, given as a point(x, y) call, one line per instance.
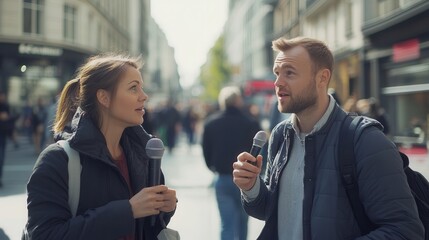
point(418, 184)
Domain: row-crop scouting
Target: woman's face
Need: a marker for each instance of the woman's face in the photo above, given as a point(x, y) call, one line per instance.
point(126, 108)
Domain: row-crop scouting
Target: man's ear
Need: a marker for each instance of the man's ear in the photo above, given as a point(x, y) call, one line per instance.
point(103, 97)
point(323, 76)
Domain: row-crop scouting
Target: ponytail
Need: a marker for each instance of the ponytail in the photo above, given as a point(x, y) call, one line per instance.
point(67, 105)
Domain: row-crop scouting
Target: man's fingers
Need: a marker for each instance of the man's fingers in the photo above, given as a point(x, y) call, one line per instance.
point(239, 173)
point(245, 156)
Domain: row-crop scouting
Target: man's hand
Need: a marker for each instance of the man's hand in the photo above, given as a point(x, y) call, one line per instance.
point(245, 173)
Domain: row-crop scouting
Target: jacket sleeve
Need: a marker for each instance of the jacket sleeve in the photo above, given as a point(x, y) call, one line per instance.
point(258, 207)
point(383, 188)
point(49, 215)
point(261, 207)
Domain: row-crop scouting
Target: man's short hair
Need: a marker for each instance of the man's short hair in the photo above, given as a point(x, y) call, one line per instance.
point(320, 54)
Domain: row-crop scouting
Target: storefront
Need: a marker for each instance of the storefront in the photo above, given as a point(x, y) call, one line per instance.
point(29, 72)
point(396, 68)
point(399, 78)
point(405, 89)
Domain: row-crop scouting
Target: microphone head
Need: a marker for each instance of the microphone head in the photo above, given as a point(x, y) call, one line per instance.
point(260, 139)
point(155, 148)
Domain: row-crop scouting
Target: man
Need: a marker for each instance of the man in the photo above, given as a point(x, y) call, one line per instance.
point(226, 134)
point(302, 196)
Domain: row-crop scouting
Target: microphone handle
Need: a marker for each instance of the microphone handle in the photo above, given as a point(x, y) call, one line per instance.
point(154, 180)
point(254, 151)
point(154, 172)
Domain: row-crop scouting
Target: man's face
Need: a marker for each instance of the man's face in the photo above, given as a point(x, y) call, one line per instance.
point(295, 81)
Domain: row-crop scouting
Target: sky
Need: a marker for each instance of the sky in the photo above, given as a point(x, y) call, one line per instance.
point(191, 28)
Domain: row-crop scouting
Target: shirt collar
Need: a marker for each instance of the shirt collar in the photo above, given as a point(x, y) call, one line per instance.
point(320, 123)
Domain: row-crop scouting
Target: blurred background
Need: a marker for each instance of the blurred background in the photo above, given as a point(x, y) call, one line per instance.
point(193, 48)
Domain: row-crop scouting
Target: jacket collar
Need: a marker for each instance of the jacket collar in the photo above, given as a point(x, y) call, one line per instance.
point(88, 139)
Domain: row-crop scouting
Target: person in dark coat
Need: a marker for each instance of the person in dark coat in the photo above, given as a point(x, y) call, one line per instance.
point(115, 199)
point(4, 130)
point(302, 196)
point(226, 134)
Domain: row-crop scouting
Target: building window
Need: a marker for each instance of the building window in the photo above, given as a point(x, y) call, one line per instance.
point(69, 23)
point(387, 6)
point(33, 16)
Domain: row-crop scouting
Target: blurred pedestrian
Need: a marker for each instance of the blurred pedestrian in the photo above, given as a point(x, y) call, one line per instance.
point(302, 196)
point(371, 108)
point(170, 120)
point(26, 115)
point(378, 113)
point(189, 123)
point(49, 122)
point(225, 135)
point(107, 101)
point(4, 130)
point(38, 120)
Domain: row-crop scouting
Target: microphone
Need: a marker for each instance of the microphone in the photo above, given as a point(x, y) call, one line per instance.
point(154, 150)
point(258, 142)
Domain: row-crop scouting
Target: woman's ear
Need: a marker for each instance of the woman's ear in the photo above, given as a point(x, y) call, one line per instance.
point(103, 97)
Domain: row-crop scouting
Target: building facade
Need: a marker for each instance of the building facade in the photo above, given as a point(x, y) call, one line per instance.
point(248, 34)
point(43, 42)
point(397, 64)
point(338, 23)
point(162, 81)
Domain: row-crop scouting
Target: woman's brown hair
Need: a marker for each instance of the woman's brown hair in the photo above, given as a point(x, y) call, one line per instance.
point(99, 72)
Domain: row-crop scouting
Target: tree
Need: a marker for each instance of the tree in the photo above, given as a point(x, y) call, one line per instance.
point(216, 72)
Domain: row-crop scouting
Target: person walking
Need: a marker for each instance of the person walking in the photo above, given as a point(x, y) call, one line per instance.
point(107, 101)
point(4, 130)
point(226, 134)
point(302, 196)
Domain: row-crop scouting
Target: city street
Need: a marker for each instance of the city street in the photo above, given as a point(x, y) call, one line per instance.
point(196, 217)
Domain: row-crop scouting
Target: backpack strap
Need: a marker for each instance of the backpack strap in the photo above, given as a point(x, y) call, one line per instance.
point(347, 167)
point(74, 170)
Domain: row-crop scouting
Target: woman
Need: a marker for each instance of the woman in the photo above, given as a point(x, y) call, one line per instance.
point(115, 201)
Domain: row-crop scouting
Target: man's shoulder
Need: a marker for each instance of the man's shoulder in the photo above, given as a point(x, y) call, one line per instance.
point(367, 123)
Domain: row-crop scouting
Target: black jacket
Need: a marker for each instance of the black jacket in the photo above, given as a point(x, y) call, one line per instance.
point(227, 134)
point(104, 211)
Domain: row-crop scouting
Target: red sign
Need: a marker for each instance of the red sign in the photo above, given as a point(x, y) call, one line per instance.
point(259, 86)
point(406, 50)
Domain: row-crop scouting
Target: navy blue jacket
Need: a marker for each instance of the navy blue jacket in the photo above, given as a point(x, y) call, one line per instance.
point(327, 214)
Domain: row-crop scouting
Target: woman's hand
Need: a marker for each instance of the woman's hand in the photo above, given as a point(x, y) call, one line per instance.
point(152, 200)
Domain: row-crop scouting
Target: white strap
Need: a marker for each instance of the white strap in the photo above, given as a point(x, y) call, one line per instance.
point(74, 171)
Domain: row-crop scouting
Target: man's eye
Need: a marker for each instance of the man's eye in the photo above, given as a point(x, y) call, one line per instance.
point(288, 73)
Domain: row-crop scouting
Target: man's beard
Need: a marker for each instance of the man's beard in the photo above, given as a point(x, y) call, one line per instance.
point(302, 101)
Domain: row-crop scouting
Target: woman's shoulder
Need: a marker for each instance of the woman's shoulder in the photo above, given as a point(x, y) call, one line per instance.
point(53, 157)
